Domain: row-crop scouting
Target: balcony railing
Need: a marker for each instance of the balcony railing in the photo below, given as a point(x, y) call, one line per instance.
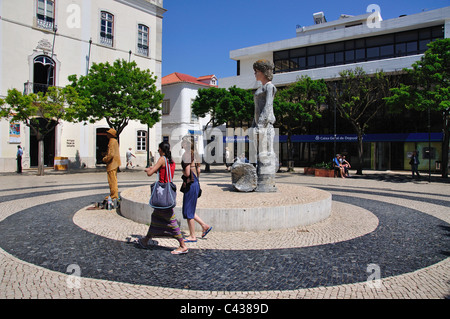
point(142, 50)
point(106, 39)
point(45, 24)
point(30, 87)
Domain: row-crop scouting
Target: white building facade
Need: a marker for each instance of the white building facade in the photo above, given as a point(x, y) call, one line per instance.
point(178, 120)
point(45, 41)
point(323, 50)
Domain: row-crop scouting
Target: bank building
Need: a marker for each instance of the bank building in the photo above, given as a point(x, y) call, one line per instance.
point(325, 48)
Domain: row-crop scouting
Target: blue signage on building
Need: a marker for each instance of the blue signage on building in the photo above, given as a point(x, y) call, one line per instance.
point(340, 138)
point(394, 137)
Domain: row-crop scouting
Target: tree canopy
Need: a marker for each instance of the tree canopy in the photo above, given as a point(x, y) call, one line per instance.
point(232, 105)
point(41, 112)
point(298, 104)
point(358, 97)
point(118, 92)
point(428, 88)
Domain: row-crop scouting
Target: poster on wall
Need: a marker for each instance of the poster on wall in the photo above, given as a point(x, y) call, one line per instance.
point(14, 132)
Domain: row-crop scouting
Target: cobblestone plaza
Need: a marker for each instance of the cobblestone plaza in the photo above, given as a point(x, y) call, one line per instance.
point(387, 237)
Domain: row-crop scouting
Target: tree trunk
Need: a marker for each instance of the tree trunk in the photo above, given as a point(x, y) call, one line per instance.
point(360, 154)
point(290, 162)
point(41, 157)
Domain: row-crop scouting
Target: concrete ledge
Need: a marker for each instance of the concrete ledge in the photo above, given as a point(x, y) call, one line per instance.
point(228, 210)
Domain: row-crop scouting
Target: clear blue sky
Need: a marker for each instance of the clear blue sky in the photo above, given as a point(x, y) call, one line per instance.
point(198, 35)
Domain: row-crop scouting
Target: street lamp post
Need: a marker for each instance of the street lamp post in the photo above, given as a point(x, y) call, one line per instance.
point(334, 130)
point(147, 145)
point(429, 147)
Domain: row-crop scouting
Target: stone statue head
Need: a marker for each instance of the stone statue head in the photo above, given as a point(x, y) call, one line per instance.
point(266, 67)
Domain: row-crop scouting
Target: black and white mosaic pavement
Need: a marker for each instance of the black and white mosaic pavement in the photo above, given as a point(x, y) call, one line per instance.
point(405, 240)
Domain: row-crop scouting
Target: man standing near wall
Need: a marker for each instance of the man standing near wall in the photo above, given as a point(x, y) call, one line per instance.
point(112, 160)
point(414, 162)
point(19, 159)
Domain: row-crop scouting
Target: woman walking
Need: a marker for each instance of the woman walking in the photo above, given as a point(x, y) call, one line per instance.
point(191, 189)
point(163, 221)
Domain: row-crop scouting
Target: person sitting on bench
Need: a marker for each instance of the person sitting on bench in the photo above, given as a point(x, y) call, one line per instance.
point(337, 166)
point(346, 165)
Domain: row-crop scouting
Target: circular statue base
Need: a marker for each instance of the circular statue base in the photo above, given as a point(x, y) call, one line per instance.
point(228, 210)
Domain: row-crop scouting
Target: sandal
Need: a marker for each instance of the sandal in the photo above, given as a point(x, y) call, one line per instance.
point(206, 232)
point(179, 252)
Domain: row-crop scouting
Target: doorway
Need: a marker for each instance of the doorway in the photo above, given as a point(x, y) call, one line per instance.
point(383, 155)
point(101, 144)
point(49, 144)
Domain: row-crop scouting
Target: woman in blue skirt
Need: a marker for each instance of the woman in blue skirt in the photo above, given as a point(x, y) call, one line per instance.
point(191, 190)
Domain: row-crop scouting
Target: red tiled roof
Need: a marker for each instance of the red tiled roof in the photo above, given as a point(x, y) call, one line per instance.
point(180, 77)
point(205, 77)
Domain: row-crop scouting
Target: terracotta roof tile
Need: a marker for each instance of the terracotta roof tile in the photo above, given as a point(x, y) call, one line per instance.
point(177, 77)
point(205, 77)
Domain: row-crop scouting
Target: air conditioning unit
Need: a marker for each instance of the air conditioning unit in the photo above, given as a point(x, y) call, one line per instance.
point(319, 17)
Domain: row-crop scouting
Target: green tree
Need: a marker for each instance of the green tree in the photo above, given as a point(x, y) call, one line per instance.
point(237, 106)
point(428, 89)
point(41, 112)
point(118, 92)
point(206, 103)
point(224, 106)
point(234, 105)
point(358, 97)
point(297, 105)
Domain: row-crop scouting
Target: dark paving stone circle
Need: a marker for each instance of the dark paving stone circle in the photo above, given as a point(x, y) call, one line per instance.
point(405, 240)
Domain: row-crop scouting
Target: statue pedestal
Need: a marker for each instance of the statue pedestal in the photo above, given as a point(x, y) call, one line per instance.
point(266, 169)
point(228, 210)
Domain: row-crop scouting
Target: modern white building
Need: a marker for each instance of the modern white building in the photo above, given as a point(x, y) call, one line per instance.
point(180, 90)
point(42, 42)
point(324, 49)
